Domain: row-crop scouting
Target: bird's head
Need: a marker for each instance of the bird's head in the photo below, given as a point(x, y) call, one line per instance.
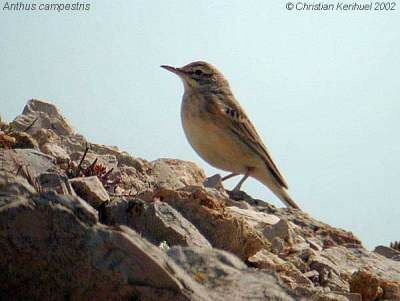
point(198, 75)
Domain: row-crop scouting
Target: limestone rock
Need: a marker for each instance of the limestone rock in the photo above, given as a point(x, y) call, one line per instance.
point(55, 151)
point(264, 259)
point(367, 285)
point(170, 225)
point(349, 296)
point(47, 116)
point(156, 221)
point(278, 246)
point(391, 289)
point(36, 161)
point(124, 159)
point(53, 247)
point(24, 140)
point(21, 169)
point(91, 190)
point(210, 217)
point(258, 220)
point(281, 229)
point(388, 252)
point(214, 181)
point(51, 240)
point(328, 274)
point(350, 260)
point(226, 277)
point(175, 174)
point(52, 181)
point(11, 185)
point(319, 233)
point(286, 271)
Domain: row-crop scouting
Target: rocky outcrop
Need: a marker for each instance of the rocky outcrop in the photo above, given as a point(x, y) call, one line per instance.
point(91, 190)
point(84, 221)
point(53, 247)
point(156, 221)
point(225, 276)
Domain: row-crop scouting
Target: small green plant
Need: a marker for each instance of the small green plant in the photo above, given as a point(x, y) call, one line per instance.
point(164, 246)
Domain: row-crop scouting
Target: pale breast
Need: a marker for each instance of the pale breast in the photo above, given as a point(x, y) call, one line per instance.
point(211, 139)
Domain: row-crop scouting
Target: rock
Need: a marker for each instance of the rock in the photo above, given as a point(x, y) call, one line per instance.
point(47, 125)
point(210, 217)
point(278, 246)
point(52, 181)
point(55, 151)
point(264, 259)
point(293, 278)
point(135, 181)
point(36, 161)
point(287, 272)
point(330, 297)
point(311, 274)
point(122, 211)
point(46, 115)
point(317, 294)
point(91, 190)
point(43, 136)
point(20, 170)
point(52, 241)
point(302, 249)
point(24, 140)
point(314, 230)
point(349, 296)
point(124, 159)
point(281, 229)
point(391, 289)
point(237, 204)
point(366, 284)
point(298, 262)
point(350, 260)
point(258, 220)
point(156, 221)
point(328, 274)
point(314, 245)
point(168, 224)
point(101, 149)
point(388, 252)
point(6, 141)
point(175, 174)
point(54, 248)
point(226, 277)
point(215, 182)
point(12, 185)
point(108, 161)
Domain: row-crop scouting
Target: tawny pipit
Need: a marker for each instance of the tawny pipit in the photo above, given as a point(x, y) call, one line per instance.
point(220, 132)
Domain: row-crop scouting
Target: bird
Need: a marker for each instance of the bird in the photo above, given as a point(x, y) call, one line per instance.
point(220, 131)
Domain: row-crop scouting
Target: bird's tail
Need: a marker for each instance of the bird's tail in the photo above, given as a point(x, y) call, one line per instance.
point(277, 189)
point(286, 199)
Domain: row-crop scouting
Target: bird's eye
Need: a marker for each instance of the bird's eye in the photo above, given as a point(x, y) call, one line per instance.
point(198, 72)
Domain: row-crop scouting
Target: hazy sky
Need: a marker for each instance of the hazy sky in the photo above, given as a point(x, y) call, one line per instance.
point(322, 88)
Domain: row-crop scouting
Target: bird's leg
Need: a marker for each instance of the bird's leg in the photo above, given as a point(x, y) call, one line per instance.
point(246, 175)
point(229, 176)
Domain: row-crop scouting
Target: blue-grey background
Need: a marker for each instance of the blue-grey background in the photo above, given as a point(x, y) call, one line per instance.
point(322, 88)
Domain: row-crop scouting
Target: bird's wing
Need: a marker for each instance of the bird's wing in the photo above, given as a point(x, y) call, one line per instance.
point(242, 126)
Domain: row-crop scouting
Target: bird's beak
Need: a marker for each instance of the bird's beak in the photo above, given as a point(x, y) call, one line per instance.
point(177, 71)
